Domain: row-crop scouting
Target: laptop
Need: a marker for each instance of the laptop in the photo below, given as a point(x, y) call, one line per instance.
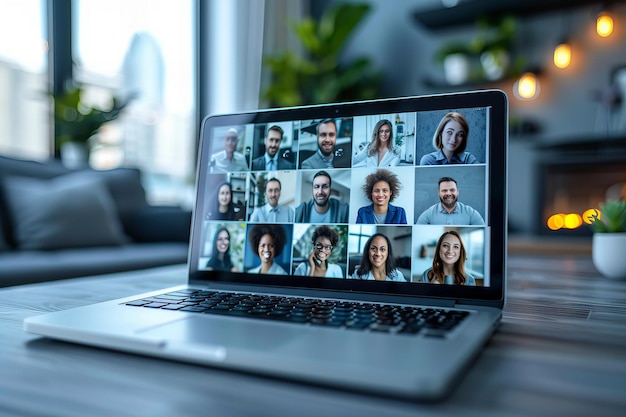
point(358, 245)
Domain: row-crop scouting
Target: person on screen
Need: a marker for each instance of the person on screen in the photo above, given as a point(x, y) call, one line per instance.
point(222, 206)
point(271, 160)
point(380, 151)
point(450, 141)
point(229, 160)
point(321, 208)
point(448, 262)
point(381, 188)
point(449, 210)
point(271, 211)
point(377, 261)
point(220, 252)
point(324, 241)
point(324, 157)
point(267, 242)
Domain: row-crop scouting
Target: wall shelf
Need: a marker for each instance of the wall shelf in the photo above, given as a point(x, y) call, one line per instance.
point(466, 12)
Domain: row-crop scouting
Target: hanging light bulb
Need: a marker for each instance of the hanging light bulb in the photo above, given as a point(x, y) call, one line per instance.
point(604, 24)
point(563, 55)
point(527, 87)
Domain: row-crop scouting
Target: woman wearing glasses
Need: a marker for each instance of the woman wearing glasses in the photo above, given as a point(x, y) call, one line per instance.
point(324, 240)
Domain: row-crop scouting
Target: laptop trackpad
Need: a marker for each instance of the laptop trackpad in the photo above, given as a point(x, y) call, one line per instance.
point(212, 331)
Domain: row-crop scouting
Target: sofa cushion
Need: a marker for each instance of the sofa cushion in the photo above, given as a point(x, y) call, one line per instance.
point(72, 210)
point(25, 267)
point(125, 187)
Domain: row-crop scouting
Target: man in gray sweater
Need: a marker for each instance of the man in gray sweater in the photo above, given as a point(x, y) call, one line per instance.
point(322, 209)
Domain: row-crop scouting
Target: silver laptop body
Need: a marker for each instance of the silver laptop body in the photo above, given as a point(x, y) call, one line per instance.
point(381, 358)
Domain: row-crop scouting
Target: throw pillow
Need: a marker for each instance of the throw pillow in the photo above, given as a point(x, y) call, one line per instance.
point(68, 211)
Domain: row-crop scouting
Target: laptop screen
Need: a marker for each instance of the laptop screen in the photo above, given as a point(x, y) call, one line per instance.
point(400, 196)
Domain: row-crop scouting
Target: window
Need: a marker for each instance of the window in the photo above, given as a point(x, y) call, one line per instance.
point(142, 49)
point(23, 80)
point(358, 236)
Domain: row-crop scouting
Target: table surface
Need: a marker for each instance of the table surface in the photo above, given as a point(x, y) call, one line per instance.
point(561, 350)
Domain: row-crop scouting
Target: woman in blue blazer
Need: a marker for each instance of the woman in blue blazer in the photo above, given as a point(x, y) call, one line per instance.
point(381, 188)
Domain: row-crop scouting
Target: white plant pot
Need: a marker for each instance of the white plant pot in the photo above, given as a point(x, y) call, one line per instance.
point(74, 155)
point(608, 254)
point(456, 68)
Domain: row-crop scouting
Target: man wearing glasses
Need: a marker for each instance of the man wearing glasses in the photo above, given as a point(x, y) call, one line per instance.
point(321, 209)
point(229, 160)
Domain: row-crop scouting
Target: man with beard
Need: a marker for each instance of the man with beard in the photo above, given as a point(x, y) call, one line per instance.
point(271, 212)
point(322, 209)
point(450, 211)
point(324, 157)
point(271, 160)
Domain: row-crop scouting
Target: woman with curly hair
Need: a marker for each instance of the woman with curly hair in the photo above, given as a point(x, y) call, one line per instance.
point(448, 262)
point(450, 141)
point(324, 241)
point(379, 152)
point(381, 188)
point(377, 261)
point(267, 242)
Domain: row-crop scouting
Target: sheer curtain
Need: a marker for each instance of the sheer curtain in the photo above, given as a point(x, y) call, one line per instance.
point(234, 55)
point(240, 33)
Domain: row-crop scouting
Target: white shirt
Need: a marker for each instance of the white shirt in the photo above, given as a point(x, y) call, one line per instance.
point(269, 214)
point(332, 270)
point(363, 159)
point(221, 163)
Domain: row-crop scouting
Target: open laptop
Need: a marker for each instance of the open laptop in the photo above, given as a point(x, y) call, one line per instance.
point(330, 269)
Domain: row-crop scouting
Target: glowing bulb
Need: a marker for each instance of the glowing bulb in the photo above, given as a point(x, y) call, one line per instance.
point(527, 87)
point(604, 25)
point(562, 55)
point(556, 221)
point(589, 216)
point(573, 221)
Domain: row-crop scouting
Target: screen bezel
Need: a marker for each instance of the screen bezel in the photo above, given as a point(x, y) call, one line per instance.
point(495, 229)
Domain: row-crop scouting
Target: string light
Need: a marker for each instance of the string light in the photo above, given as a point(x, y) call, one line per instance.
point(527, 87)
point(563, 55)
point(604, 25)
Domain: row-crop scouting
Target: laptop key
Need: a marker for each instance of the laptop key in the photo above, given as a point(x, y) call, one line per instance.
point(138, 303)
point(193, 308)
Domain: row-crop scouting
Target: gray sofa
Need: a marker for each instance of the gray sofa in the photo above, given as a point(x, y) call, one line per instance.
point(59, 223)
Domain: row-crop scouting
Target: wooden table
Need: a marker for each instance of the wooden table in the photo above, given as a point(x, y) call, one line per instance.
point(561, 350)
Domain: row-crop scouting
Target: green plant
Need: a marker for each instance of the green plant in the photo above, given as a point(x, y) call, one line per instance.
point(611, 218)
point(498, 34)
point(75, 121)
point(492, 36)
point(318, 77)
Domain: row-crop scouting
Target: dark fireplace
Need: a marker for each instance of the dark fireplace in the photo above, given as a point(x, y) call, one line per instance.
point(575, 177)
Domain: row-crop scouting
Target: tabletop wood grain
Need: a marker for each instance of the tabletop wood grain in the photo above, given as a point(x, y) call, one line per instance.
point(561, 350)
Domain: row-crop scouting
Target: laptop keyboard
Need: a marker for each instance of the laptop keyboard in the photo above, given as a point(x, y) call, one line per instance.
point(387, 318)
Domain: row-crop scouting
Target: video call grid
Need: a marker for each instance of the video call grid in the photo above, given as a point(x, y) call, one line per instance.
point(414, 178)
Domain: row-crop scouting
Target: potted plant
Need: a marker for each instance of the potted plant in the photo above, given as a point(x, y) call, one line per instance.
point(493, 44)
point(319, 76)
point(76, 123)
point(609, 239)
point(455, 59)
